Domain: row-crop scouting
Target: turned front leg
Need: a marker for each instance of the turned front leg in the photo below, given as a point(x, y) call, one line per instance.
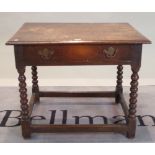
point(25, 119)
point(35, 87)
point(119, 87)
point(132, 103)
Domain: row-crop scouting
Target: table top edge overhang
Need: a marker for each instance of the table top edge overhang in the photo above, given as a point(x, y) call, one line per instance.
point(79, 42)
point(70, 33)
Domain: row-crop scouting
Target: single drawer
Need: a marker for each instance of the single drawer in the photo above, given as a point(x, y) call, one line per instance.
point(77, 54)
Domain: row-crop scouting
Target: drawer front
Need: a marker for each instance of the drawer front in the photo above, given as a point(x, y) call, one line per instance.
point(77, 54)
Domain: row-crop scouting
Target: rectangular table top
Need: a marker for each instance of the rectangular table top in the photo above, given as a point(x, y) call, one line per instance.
point(58, 33)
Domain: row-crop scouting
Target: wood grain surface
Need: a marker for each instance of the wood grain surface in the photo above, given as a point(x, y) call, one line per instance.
point(51, 33)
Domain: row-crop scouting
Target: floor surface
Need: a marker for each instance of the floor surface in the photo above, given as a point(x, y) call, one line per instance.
point(74, 108)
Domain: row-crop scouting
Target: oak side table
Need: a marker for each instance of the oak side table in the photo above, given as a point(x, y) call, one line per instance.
point(65, 44)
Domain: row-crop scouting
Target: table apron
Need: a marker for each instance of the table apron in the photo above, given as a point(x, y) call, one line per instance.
point(63, 55)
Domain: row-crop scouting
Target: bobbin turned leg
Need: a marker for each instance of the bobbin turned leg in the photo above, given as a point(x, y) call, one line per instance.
point(25, 119)
point(119, 88)
point(35, 87)
point(133, 100)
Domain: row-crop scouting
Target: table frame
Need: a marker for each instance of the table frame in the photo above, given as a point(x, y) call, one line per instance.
point(130, 112)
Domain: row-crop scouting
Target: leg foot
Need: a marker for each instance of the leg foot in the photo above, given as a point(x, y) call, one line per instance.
point(132, 128)
point(26, 132)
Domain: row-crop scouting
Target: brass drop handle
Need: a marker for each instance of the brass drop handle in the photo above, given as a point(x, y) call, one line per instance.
point(46, 53)
point(110, 52)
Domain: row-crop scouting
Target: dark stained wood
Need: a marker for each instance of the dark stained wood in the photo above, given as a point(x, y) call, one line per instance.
point(77, 94)
point(35, 87)
point(47, 55)
point(25, 120)
point(119, 87)
point(49, 33)
point(23, 92)
point(49, 44)
point(79, 128)
point(133, 101)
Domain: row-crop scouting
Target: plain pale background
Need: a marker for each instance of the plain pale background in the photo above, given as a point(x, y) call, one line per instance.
point(80, 5)
point(79, 75)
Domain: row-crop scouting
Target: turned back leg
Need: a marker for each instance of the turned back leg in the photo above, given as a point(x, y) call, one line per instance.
point(35, 87)
point(119, 87)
